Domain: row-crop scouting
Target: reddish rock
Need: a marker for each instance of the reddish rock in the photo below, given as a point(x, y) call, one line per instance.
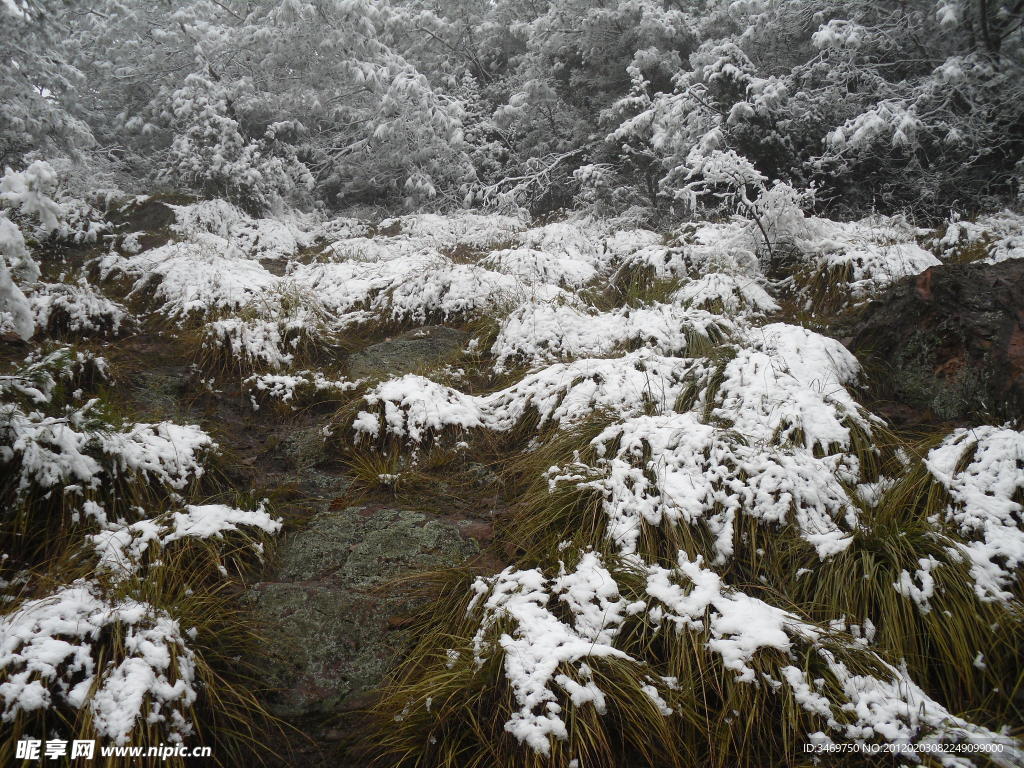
point(951, 340)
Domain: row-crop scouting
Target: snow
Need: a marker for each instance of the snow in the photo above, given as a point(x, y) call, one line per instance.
point(540, 644)
point(547, 656)
point(50, 653)
point(982, 469)
point(166, 452)
point(692, 477)
point(545, 332)
point(38, 376)
point(424, 286)
point(15, 310)
point(533, 266)
point(463, 227)
point(726, 247)
point(790, 386)
point(567, 393)
point(79, 306)
point(121, 548)
point(445, 291)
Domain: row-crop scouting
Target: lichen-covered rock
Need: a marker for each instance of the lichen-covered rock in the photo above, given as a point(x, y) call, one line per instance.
point(951, 340)
point(415, 350)
point(332, 614)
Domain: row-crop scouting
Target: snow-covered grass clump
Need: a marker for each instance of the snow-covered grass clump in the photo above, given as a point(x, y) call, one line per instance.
point(48, 660)
point(850, 262)
point(192, 279)
point(674, 471)
point(66, 310)
point(730, 294)
point(990, 238)
point(77, 469)
point(295, 389)
point(982, 469)
point(121, 549)
point(256, 238)
point(467, 228)
point(76, 449)
point(418, 288)
point(114, 607)
point(543, 332)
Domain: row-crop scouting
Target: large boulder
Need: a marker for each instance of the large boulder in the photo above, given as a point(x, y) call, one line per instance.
point(951, 340)
point(331, 612)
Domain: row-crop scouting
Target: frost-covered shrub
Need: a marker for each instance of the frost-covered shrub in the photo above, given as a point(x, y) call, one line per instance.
point(15, 311)
point(33, 206)
point(27, 193)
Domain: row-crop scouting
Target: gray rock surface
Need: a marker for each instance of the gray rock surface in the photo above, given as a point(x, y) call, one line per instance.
point(331, 614)
point(419, 348)
point(951, 340)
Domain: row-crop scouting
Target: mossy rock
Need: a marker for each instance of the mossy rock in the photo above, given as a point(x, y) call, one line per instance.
point(333, 614)
point(417, 350)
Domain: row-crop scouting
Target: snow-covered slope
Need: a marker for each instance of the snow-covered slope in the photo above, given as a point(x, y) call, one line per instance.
point(728, 450)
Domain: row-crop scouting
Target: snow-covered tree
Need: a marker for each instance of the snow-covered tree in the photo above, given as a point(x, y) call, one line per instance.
point(39, 88)
point(894, 105)
point(909, 105)
point(255, 99)
point(28, 196)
